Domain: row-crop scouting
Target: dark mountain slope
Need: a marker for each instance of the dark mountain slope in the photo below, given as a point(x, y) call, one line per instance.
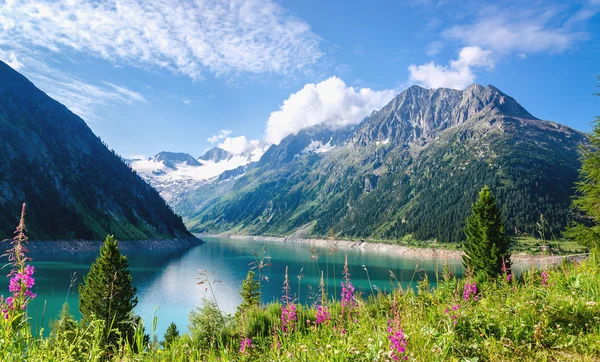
point(75, 187)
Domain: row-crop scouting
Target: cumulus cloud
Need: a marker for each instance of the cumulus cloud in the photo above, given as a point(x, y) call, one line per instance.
point(329, 102)
point(187, 37)
point(237, 145)
point(219, 136)
point(530, 32)
point(458, 75)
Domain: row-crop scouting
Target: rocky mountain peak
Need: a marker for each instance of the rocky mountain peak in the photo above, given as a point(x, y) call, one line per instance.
point(172, 159)
point(216, 154)
point(420, 114)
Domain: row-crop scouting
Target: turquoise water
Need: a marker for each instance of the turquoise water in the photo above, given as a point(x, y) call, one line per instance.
point(167, 282)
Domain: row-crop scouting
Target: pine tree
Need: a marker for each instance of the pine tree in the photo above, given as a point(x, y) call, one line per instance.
point(486, 247)
point(588, 194)
point(108, 295)
point(171, 335)
point(250, 293)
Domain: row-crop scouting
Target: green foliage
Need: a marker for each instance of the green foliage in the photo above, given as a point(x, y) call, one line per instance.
point(171, 336)
point(587, 233)
point(209, 327)
point(486, 247)
point(250, 293)
point(107, 294)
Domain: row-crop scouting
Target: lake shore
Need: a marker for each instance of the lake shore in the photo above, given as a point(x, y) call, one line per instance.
point(400, 250)
point(74, 246)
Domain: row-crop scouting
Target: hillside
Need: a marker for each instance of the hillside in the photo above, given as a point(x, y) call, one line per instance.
point(412, 170)
point(75, 187)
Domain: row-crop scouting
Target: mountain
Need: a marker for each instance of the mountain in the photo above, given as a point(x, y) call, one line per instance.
point(173, 159)
point(75, 187)
point(176, 174)
point(410, 170)
point(216, 154)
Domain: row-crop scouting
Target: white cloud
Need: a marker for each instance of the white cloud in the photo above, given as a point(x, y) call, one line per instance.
point(529, 32)
point(458, 75)
point(187, 37)
point(80, 97)
point(237, 145)
point(328, 102)
point(219, 136)
point(11, 59)
point(434, 48)
point(186, 101)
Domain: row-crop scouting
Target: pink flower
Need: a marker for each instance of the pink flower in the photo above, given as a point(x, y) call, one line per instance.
point(245, 343)
point(397, 342)
point(544, 278)
point(470, 291)
point(508, 278)
point(323, 315)
point(288, 317)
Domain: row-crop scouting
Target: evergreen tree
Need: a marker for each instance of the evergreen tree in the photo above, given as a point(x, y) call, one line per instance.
point(588, 194)
point(250, 293)
point(171, 336)
point(486, 246)
point(108, 295)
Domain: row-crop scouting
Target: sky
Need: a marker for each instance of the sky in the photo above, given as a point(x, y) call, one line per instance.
point(184, 76)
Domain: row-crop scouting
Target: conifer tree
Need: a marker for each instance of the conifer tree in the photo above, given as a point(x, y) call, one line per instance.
point(587, 233)
point(108, 295)
point(250, 293)
point(486, 247)
point(171, 335)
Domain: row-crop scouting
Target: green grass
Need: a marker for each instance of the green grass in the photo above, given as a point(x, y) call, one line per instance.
point(527, 319)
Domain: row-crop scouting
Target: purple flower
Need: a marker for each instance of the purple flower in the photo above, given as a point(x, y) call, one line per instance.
point(544, 278)
point(245, 343)
point(397, 342)
point(323, 315)
point(288, 317)
point(470, 291)
point(508, 278)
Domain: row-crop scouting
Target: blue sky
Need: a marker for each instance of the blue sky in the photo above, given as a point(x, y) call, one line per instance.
point(153, 75)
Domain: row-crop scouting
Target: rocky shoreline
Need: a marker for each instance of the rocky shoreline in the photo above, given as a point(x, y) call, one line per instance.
point(400, 250)
point(74, 246)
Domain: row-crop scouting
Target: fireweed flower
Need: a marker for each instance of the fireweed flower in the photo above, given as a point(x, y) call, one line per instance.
point(21, 275)
point(396, 336)
point(288, 317)
point(544, 278)
point(323, 315)
point(348, 302)
point(245, 343)
point(453, 315)
point(470, 292)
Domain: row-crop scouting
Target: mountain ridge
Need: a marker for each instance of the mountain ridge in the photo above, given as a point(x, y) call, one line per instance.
point(75, 187)
point(381, 181)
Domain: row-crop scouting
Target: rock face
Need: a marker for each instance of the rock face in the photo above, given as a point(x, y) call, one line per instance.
point(411, 169)
point(216, 154)
point(172, 159)
point(75, 187)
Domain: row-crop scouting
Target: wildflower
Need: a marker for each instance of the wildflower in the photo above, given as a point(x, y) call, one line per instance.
point(397, 341)
point(469, 291)
point(21, 276)
point(348, 302)
point(323, 315)
point(508, 278)
point(544, 278)
point(245, 343)
point(288, 317)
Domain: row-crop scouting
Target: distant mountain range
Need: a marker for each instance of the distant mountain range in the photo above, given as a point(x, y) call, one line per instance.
point(75, 187)
point(410, 170)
